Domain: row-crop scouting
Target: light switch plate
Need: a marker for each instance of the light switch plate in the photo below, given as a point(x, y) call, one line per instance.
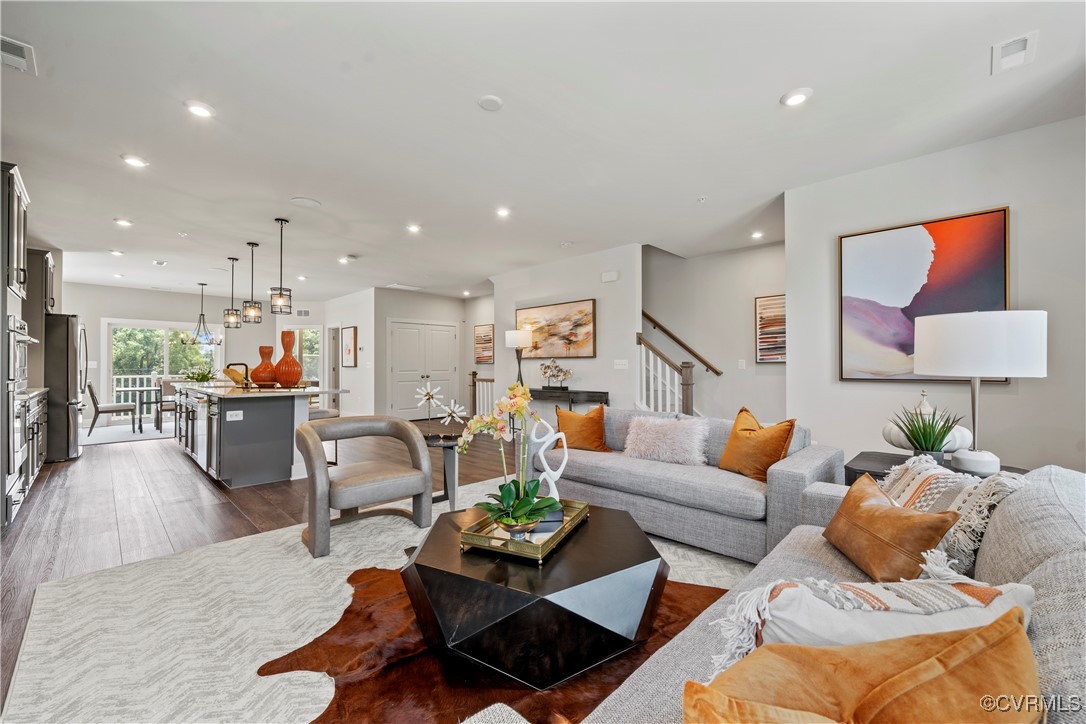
point(92, 364)
point(235, 415)
point(622, 364)
point(742, 364)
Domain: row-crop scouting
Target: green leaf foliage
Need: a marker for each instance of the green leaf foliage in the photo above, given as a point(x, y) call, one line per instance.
point(924, 433)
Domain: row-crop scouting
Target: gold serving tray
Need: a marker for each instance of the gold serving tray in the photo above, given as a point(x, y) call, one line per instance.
point(486, 534)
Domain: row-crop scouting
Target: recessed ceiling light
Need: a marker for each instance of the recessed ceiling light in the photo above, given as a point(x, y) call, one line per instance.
point(756, 235)
point(119, 276)
point(467, 293)
point(301, 278)
point(414, 228)
point(305, 202)
point(115, 252)
point(491, 103)
point(135, 161)
point(182, 234)
point(796, 96)
point(122, 222)
point(503, 211)
point(159, 262)
point(198, 108)
point(347, 259)
point(567, 244)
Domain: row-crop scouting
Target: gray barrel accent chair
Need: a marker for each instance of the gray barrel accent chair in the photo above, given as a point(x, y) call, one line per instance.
point(700, 505)
point(349, 487)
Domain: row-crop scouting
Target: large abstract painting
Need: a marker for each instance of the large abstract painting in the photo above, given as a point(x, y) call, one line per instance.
point(560, 330)
point(889, 277)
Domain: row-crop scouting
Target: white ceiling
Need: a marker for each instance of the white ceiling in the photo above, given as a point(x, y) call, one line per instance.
point(617, 118)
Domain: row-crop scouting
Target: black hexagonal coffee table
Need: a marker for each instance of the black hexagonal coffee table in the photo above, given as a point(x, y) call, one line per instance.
point(594, 597)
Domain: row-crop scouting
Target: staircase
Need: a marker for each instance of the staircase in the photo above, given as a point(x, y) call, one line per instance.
point(663, 384)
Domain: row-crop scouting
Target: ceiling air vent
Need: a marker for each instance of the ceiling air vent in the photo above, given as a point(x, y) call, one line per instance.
point(302, 312)
point(19, 56)
point(405, 287)
point(1014, 53)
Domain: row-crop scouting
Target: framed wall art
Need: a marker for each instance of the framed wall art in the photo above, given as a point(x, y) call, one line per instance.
point(484, 344)
point(891, 276)
point(769, 329)
point(561, 331)
point(348, 344)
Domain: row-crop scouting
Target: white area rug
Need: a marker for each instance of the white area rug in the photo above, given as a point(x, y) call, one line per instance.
point(179, 638)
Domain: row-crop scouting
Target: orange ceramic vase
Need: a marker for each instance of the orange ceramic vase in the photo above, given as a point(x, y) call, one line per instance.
point(263, 375)
point(288, 370)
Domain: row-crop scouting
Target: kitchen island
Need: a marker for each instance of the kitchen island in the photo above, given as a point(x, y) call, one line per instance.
point(243, 436)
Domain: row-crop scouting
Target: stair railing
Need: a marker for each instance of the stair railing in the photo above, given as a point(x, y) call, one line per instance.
point(663, 384)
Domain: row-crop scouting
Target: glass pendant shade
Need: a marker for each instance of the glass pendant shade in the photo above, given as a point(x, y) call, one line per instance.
point(201, 335)
point(251, 309)
point(280, 295)
point(231, 317)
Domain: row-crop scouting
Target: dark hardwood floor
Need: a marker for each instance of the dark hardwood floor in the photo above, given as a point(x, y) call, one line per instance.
point(126, 502)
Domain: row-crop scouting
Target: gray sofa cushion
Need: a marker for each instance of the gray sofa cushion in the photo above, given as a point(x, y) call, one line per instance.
point(616, 423)
point(1056, 628)
point(695, 486)
point(654, 692)
point(1043, 518)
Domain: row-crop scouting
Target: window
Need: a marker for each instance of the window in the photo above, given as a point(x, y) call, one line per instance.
point(142, 352)
point(307, 349)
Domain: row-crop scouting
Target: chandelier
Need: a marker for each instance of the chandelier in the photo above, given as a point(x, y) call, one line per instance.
point(280, 295)
point(231, 318)
point(251, 308)
point(201, 335)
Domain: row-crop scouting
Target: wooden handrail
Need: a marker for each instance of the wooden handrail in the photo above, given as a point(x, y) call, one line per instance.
point(656, 350)
point(709, 366)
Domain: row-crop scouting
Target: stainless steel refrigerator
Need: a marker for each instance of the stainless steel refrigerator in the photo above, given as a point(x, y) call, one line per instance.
point(66, 377)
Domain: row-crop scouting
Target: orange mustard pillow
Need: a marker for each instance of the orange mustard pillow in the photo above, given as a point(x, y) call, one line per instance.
point(752, 449)
point(927, 678)
point(882, 539)
point(583, 432)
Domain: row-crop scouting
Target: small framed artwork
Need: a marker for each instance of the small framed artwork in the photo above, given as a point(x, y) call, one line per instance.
point(891, 276)
point(560, 331)
point(769, 329)
point(484, 344)
point(348, 343)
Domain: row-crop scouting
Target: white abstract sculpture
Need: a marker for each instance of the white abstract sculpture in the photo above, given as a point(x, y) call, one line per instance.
point(548, 439)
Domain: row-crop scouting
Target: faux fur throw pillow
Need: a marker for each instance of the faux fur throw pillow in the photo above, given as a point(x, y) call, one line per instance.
point(668, 441)
point(922, 484)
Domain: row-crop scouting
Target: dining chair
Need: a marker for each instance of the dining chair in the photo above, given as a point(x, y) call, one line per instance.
point(112, 408)
point(167, 401)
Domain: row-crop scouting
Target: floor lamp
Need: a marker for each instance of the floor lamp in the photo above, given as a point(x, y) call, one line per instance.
point(981, 344)
point(519, 339)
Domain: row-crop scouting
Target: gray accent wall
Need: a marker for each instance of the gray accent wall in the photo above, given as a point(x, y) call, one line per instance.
point(1040, 174)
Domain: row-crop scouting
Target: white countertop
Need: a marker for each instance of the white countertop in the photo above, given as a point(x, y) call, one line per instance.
point(211, 389)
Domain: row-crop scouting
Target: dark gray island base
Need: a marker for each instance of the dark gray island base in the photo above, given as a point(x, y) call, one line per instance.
point(243, 437)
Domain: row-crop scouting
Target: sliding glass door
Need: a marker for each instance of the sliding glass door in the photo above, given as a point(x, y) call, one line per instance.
point(142, 352)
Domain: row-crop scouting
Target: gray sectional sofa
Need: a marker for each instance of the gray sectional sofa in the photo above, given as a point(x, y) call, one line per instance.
point(1037, 536)
point(700, 505)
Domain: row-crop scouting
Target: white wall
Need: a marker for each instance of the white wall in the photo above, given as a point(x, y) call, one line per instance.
point(708, 301)
point(94, 303)
point(355, 310)
point(618, 318)
point(1039, 174)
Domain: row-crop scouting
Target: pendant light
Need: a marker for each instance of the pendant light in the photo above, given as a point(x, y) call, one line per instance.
point(280, 295)
point(201, 335)
point(231, 318)
point(251, 308)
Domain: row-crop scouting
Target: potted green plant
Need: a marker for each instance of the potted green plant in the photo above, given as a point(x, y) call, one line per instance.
point(515, 509)
point(200, 373)
point(926, 432)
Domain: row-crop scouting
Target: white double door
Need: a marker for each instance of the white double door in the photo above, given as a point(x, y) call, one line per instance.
point(421, 353)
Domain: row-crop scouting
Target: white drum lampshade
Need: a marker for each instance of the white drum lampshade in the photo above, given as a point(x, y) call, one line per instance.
point(976, 345)
point(518, 338)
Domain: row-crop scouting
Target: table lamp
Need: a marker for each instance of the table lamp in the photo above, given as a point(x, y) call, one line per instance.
point(976, 345)
point(519, 339)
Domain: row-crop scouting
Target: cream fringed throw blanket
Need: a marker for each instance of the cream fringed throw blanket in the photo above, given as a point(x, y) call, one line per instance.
point(822, 613)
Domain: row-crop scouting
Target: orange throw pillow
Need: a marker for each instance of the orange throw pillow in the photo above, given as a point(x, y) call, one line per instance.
point(881, 538)
point(583, 432)
point(928, 678)
point(752, 449)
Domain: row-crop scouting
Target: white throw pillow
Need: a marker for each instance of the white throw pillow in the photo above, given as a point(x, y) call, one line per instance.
point(668, 441)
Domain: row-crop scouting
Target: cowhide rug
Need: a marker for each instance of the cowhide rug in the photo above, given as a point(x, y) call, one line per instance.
point(384, 672)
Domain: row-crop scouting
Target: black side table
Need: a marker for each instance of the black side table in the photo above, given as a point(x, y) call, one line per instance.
point(878, 464)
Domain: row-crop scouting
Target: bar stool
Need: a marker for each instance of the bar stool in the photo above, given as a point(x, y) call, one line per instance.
point(327, 413)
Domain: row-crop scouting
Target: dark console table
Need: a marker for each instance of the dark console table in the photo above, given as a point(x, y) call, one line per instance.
point(570, 397)
point(878, 464)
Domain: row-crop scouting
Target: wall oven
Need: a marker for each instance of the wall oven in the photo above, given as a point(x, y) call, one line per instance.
point(17, 351)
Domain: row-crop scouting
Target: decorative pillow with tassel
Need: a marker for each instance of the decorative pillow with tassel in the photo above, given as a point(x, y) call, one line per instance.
point(922, 484)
